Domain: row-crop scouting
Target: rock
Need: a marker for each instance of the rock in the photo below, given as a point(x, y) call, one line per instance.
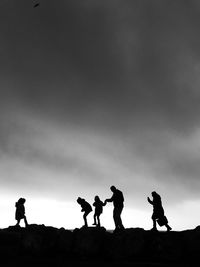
point(10, 242)
point(89, 241)
point(163, 246)
point(92, 244)
point(64, 241)
point(191, 243)
point(128, 243)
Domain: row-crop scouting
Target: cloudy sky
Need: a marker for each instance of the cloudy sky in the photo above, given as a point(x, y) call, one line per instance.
point(95, 93)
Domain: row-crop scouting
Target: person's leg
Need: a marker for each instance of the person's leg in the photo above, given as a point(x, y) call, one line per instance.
point(95, 219)
point(154, 222)
point(168, 227)
point(115, 218)
point(98, 220)
point(120, 225)
point(18, 222)
point(85, 219)
point(25, 221)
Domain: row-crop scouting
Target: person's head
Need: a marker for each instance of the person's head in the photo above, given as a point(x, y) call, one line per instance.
point(154, 194)
point(21, 200)
point(96, 198)
point(113, 188)
point(80, 200)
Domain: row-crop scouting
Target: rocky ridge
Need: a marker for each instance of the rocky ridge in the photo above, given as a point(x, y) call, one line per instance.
point(40, 243)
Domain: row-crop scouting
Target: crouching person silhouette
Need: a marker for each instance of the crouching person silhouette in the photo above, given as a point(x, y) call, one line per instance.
point(118, 203)
point(158, 212)
point(86, 208)
point(98, 204)
point(20, 211)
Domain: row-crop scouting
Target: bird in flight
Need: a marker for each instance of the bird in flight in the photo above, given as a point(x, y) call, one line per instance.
point(36, 5)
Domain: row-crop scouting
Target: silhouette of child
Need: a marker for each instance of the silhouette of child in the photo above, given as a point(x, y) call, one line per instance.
point(86, 208)
point(20, 211)
point(98, 204)
point(158, 211)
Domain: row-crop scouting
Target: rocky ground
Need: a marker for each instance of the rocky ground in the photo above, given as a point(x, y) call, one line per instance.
point(39, 245)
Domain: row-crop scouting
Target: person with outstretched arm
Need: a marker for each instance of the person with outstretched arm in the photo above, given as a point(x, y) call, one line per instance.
point(118, 203)
point(98, 204)
point(158, 215)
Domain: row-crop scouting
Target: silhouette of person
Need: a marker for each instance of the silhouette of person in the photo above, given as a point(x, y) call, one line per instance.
point(158, 211)
point(98, 204)
point(20, 211)
point(86, 208)
point(118, 203)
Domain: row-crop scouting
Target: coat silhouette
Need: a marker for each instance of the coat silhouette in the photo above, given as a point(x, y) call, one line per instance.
point(20, 211)
point(158, 212)
point(118, 203)
point(86, 208)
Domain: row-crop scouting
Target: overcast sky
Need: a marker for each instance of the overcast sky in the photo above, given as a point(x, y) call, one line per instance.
point(101, 92)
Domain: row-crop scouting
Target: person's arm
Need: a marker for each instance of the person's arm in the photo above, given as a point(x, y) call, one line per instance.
point(150, 201)
point(109, 199)
point(82, 208)
point(103, 203)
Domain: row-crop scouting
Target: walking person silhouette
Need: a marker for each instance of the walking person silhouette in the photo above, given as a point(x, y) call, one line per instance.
point(98, 204)
point(86, 208)
point(158, 212)
point(20, 211)
point(118, 203)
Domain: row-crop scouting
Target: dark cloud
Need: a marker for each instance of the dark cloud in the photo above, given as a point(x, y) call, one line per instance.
point(123, 70)
point(126, 61)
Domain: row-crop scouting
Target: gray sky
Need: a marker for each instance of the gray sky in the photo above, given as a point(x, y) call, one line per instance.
point(95, 93)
